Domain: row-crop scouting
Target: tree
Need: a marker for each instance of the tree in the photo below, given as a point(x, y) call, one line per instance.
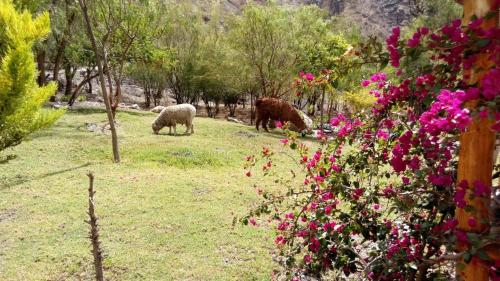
point(181, 35)
point(21, 99)
point(119, 25)
point(99, 60)
point(264, 36)
point(151, 71)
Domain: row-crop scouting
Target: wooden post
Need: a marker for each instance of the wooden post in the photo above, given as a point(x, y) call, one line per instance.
point(94, 232)
point(322, 107)
point(477, 147)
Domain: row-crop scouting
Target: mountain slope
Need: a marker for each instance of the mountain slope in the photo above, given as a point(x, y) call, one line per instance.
point(374, 17)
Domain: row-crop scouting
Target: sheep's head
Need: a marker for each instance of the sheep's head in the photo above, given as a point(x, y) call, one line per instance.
point(156, 128)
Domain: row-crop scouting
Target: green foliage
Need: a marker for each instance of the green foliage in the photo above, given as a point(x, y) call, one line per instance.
point(20, 98)
point(359, 100)
point(434, 14)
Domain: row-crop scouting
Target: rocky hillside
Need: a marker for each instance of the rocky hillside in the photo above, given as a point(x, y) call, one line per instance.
point(374, 17)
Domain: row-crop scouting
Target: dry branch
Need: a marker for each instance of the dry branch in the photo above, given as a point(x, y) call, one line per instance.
point(94, 232)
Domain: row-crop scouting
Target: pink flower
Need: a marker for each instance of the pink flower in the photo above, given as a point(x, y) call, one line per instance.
point(336, 168)
point(328, 209)
point(252, 221)
point(314, 245)
point(406, 180)
point(284, 141)
point(480, 189)
point(307, 259)
point(450, 224)
point(376, 207)
point(365, 83)
point(279, 125)
point(327, 196)
point(309, 77)
point(381, 134)
point(459, 197)
point(461, 236)
point(472, 222)
point(280, 240)
point(313, 225)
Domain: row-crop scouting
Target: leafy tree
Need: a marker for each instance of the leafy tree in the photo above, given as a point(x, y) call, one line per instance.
point(21, 100)
point(181, 35)
point(264, 36)
point(151, 71)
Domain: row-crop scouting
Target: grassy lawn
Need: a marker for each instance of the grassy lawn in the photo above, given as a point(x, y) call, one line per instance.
point(165, 212)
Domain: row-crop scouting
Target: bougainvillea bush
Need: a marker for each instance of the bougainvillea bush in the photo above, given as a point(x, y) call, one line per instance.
point(378, 199)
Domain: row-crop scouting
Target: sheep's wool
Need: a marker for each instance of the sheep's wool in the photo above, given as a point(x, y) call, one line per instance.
point(175, 114)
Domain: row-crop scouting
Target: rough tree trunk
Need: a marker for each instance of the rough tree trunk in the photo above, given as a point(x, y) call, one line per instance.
point(114, 136)
point(477, 147)
point(322, 108)
point(40, 60)
point(69, 75)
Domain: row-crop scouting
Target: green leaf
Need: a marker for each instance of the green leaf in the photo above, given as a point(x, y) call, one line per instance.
point(483, 255)
point(483, 42)
point(467, 257)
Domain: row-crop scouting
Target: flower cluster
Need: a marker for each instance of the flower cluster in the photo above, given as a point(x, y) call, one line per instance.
point(378, 200)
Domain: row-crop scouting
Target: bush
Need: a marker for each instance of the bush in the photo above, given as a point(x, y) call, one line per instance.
point(21, 100)
point(378, 200)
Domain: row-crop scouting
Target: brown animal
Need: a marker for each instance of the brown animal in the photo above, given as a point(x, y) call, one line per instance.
point(279, 110)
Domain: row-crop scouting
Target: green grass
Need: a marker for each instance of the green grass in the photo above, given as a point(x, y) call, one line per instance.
point(165, 212)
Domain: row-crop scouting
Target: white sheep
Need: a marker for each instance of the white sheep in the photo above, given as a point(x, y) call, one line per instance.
point(171, 115)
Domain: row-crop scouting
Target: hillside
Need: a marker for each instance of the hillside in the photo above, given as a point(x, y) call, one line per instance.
point(375, 17)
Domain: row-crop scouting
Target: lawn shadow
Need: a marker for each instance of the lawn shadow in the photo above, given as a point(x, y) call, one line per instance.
point(5, 159)
point(24, 180)
point(172, 135)
point(88, 111)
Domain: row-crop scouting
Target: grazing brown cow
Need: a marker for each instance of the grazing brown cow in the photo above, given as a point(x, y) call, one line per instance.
point(279, 110)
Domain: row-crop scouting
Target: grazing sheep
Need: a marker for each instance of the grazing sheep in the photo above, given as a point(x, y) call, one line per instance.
point(275, 109)
point(157, 109)
point(171, 115)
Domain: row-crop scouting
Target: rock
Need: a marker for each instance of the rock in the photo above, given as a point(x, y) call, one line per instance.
point(135, 106)
point(232, 119)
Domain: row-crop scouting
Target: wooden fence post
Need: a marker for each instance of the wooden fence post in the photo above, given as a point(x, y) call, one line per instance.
point(476, 161)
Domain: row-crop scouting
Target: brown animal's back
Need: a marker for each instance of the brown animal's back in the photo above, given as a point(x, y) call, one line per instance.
point(276, 109)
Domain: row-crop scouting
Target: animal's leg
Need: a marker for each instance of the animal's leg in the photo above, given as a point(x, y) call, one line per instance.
point(169, 130)
point(257, 123)
point(192, 128)
point(264, 123)
point(188, 126)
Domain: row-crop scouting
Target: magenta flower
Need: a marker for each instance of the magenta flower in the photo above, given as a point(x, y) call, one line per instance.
point(472, 222)
point(365, 83)
point(278, 124)
point(280, 240)
point(480, 189)
point(309, 76)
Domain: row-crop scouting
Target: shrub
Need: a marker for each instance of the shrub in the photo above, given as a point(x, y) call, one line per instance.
point(21, 100)
point(379, 200)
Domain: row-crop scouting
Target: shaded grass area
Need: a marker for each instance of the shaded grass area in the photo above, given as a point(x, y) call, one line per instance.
point(166, 211)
